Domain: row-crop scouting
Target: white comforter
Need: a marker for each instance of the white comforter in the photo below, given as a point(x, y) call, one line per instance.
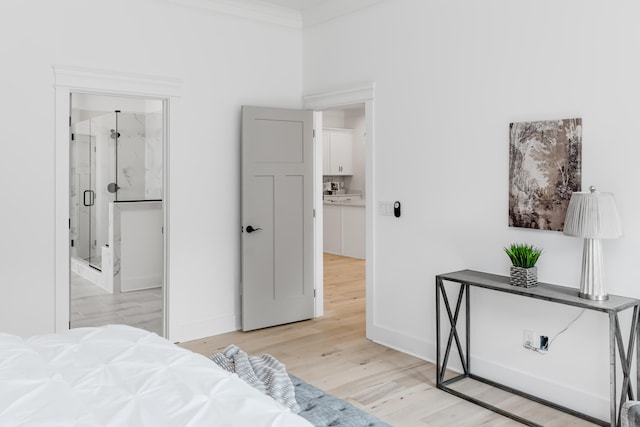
point(122, 376)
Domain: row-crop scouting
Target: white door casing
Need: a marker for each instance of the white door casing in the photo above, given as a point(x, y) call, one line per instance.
point(277, 201)
point(70, 79)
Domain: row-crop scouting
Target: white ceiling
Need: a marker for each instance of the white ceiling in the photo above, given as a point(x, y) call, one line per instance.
point(296, 4)
point(290, 13)
point(317, 11)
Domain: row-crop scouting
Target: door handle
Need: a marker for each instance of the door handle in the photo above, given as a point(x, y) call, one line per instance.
point(92, 197)
point(250, 229)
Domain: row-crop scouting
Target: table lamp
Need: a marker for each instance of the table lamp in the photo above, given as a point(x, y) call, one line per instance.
point(592, 216)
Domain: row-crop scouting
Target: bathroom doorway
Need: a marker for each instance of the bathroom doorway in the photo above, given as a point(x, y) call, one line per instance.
point(116, 208)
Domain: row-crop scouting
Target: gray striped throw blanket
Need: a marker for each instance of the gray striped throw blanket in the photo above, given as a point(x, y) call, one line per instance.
point(263, 372)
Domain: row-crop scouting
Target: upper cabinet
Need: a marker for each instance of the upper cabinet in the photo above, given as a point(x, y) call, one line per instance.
point(337, 155)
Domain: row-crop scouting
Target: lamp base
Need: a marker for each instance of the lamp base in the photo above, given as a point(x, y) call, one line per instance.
point(594, 297)
point(592, 277)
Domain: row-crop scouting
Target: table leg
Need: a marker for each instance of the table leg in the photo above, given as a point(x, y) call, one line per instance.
point(438, 285)
point(441, 365)
point(612, 369)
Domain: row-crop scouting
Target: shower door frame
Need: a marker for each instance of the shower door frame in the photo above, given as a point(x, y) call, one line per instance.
point(70, 80)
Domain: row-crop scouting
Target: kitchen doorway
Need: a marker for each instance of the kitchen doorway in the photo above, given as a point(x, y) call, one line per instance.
point(344, 190)
point(359, 94)
point(344, 181)
point(116, 206)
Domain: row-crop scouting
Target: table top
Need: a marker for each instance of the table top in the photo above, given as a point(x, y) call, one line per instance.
point(544, 291)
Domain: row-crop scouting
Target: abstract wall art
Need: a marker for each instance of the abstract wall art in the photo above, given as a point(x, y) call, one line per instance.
point(545, 162)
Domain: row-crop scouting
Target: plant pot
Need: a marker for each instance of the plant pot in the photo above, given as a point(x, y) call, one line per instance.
point(525, 277)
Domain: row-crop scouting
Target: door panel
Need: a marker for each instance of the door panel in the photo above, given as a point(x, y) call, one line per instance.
point(281, 141)
point(290, 247)
point(277, 200)
point(259, 250)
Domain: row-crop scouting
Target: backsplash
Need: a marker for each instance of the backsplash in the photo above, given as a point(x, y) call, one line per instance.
point(342, 182)
point(331, 182)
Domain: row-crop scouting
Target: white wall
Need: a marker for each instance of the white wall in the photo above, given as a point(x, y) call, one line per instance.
point(223, 63)
point(450, 76)
point(333, 119)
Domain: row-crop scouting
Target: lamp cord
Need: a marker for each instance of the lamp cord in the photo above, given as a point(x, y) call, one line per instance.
point(567, 327)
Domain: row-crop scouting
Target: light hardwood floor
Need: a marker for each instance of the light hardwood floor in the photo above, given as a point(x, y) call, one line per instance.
point(333, 354)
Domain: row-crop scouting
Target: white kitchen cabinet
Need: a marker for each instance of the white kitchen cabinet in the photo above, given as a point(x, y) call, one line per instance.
point(353, 231)
point(337, 151)
point(344, 230)
point(332, 233)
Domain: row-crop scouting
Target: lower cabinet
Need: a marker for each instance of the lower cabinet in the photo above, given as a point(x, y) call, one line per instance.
point(344, 230)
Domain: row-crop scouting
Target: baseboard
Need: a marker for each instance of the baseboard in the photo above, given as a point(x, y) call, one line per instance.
point(562, 394)
point(139, 283)
point(402, 342)
point(204, 328)
point(84, 270)
point(559, 393)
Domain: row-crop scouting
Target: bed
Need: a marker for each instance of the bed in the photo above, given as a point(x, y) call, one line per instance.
point(122, 376)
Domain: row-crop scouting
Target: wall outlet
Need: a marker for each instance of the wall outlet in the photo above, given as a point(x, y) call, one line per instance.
point(535, 341)
point(527, 339)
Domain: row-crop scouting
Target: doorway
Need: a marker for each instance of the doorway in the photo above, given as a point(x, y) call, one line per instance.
point(116, 211)
point(362, 93)
point(344, 185)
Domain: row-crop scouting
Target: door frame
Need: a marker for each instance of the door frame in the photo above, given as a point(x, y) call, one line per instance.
point(69, 79)
point(363, 93)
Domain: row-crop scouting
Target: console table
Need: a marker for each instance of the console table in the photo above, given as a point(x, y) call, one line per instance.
point(544, 291)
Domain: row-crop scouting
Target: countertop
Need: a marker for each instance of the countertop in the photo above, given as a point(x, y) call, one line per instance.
point(344, 200)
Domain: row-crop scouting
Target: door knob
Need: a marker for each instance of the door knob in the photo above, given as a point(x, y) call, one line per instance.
point(250, 229)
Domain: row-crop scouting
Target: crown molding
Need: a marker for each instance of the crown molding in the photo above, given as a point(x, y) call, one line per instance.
point(255, 10)
point(332, 9)
point(360, 92)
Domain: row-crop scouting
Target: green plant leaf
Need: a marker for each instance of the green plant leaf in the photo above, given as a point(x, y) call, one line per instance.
point(523, 255)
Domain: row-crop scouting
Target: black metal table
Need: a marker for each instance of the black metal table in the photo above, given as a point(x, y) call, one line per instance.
point(544, 291)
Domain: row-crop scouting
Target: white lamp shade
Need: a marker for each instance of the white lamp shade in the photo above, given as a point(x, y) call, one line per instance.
point(592, 215)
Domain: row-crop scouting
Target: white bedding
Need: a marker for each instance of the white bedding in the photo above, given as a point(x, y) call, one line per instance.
point(122, 376)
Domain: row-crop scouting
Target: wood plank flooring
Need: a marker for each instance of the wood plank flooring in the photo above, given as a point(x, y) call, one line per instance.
point(333, 354)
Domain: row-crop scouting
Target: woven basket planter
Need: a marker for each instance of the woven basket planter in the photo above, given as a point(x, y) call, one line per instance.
point(524, 277)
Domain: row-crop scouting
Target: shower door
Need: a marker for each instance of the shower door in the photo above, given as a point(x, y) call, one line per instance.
point(83, 212)
point(93, 157)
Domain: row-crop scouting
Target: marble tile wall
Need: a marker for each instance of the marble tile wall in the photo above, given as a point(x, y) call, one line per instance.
point(154, 156)
point(131, 156)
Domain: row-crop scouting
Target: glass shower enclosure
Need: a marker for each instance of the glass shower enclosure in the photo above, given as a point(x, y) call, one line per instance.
point(116, 156)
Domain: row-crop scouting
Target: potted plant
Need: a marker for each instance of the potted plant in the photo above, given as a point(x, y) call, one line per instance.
point(524, 258)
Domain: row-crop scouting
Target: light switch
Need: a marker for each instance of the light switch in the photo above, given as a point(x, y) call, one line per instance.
point(385, 208)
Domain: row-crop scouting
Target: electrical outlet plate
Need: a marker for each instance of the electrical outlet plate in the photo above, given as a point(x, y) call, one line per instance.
point(527, 339)
point(535, 341)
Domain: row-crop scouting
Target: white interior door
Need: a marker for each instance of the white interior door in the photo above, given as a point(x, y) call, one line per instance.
point(277, 217)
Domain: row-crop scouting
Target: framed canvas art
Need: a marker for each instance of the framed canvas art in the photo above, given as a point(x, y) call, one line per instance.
point(545, 162)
